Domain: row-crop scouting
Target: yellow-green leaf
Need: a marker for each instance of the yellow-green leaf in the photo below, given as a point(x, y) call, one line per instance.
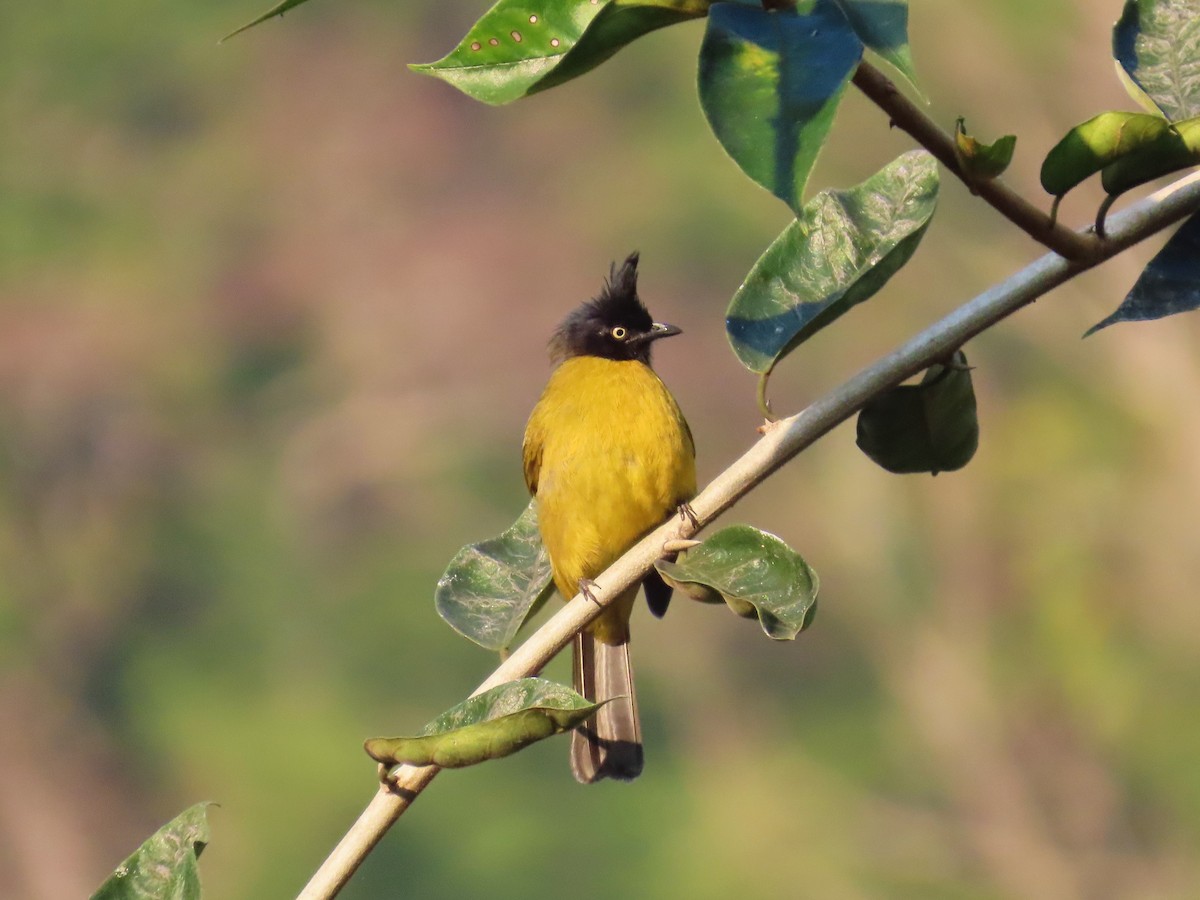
point(980, 161)
point(493, 724)
point(1090, 146)
point(1177, 147)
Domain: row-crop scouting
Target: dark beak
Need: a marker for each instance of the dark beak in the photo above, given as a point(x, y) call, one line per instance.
point(659, 330)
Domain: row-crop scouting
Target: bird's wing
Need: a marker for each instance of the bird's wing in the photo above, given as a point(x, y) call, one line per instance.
point(531, 451)
point(687, 430)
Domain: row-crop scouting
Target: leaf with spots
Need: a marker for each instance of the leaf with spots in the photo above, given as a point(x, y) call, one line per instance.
point(520, 47)
point(1156, 44)
point(166, 866)
point(755, 573)
point(490, 589)
point(493, 724)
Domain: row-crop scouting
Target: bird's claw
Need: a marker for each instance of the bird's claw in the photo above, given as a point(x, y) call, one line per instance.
point(687, 514)
point(586, 586)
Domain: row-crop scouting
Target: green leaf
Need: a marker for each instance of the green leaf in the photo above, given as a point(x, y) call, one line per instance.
point(620, 22)
point(882, 25)
point(755, 573)
point(514, 45)
point(927, 427)
point(491, 725)
point(1177, 147)
point(1156, 43)
point(1169, 284)
point(770, 82)
point(491, 588)
point(165, 867)
point(981, 161)
point(843, 247)
point(277, 10)
point(1090, 146)
point(519, 46)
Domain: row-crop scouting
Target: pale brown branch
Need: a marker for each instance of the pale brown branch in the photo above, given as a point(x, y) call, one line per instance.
point(780, 442)
point(910, 118)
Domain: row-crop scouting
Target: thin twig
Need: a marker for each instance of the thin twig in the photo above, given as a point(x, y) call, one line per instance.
point(906, 115)
point(779, 444)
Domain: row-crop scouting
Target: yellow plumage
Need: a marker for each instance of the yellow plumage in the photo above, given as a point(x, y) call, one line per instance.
point(609, 457)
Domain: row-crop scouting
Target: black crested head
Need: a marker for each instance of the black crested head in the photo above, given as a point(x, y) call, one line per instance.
point(615, 325)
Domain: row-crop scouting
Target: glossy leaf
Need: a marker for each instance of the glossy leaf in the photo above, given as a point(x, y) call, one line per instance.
point(1169, 284)
point(770, 83)
point(1156, 43)
point(882, 25)
point(519, 46)
point(1177, 147)
point(493, 724)
point(1090, 146)
point(843, 247)
point(927, 427)
point(166, 866)
point(980, 161)
point(512, 46)
point(491, 588)
point(755, 573)
point(277, 10)
point(620, 22)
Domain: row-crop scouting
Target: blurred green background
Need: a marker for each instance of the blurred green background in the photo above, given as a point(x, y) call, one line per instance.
point(272, 314)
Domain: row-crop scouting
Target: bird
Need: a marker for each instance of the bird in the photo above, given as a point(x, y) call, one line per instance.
point(608, 457)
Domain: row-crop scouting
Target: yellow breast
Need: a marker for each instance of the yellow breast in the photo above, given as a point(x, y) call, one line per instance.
point(609, 457)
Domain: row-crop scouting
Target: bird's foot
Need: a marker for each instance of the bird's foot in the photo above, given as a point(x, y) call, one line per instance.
point(687, 514)
point(586, 586)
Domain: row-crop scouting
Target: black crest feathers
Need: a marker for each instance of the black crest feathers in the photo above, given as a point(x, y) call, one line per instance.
point(620, 290)
point(613, 325)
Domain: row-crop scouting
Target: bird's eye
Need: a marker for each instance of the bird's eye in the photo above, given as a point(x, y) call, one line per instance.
point(619, 333)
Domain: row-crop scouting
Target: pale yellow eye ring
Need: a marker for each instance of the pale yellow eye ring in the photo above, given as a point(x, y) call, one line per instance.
point(619, 333)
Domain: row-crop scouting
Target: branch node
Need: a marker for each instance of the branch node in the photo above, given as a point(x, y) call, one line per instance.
point(902, 112)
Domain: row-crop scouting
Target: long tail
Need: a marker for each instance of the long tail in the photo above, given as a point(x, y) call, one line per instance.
point(609, 745)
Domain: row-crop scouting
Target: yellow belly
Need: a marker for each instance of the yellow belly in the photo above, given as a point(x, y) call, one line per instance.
point(614, 459)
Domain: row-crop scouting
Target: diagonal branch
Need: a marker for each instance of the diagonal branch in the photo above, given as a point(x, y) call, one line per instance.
point(906, 115)
point(782, 441)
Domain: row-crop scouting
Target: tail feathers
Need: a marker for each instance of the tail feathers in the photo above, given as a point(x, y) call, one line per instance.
point(658, 593)
point(609, 745)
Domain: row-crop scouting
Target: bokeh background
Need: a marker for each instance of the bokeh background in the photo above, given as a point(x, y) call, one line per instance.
point(272, 314)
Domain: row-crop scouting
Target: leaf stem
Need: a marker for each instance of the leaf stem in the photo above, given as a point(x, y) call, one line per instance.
point(1072, 245)
point(764, 402)
point(777, 446)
